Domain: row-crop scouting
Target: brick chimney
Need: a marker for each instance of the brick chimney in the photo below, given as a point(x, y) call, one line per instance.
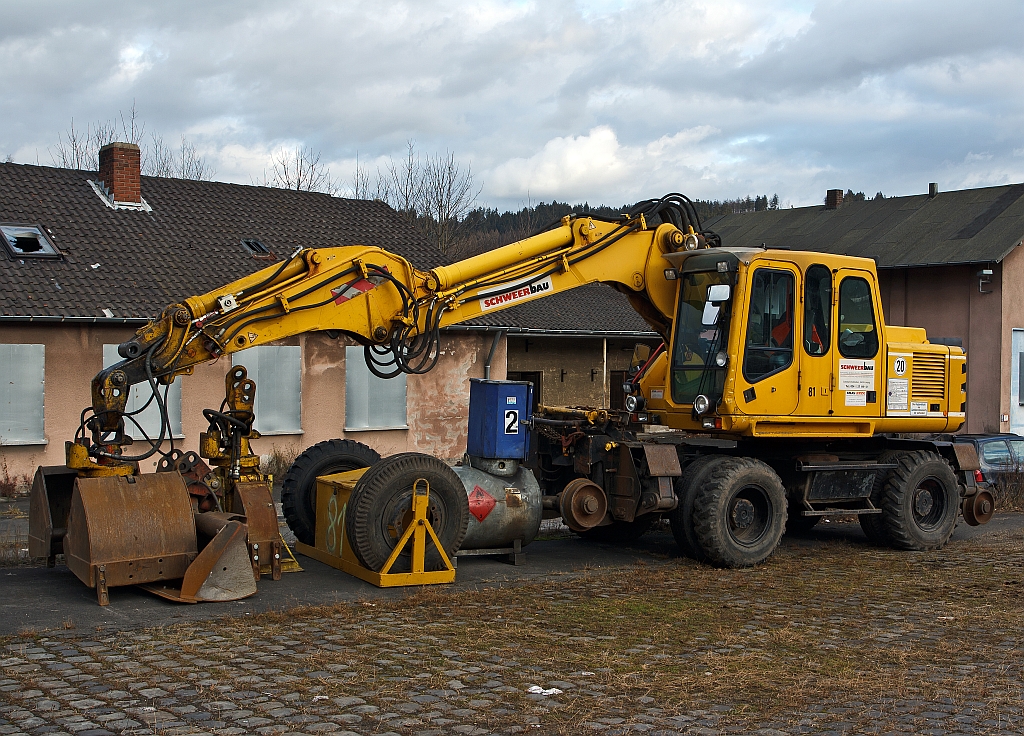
point(833, 199)
point(121, 171)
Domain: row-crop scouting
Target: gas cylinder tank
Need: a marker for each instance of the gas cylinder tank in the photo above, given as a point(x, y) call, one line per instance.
point(503, 508)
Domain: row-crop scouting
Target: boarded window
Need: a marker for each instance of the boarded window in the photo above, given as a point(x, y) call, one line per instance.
point(371, 402)
point(21, 395)
point(277, 371)
point(148, 418)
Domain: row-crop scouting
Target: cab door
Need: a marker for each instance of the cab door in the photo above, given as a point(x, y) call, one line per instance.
point(816, 348)
point(858, 358)
point(767, 382)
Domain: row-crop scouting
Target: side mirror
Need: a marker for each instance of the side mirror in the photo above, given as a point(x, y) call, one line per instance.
point(641, 354)
point(711, 312)
point(718, 293)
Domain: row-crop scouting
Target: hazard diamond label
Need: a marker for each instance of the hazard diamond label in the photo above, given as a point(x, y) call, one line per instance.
point(480, 503)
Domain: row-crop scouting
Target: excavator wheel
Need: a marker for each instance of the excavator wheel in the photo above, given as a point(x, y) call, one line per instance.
point(620, 532)
point(921, 502)
point(739, 513)
point(299, 483)
point(681, 518)
point(380, 510)
point(874, 524)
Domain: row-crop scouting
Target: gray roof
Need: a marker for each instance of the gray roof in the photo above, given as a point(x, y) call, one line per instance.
point(594, 309)
point(964, 226)
point(134, 263)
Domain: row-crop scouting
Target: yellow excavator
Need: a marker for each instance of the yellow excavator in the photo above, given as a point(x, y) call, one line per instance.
point(779, 395)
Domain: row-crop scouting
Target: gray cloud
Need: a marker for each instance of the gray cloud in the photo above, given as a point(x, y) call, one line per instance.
point(605, 101)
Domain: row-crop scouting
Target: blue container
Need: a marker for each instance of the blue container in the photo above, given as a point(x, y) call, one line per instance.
point(496, 411)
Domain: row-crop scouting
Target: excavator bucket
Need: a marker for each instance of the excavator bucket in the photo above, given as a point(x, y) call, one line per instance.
point(222, 571)
point(49, 504)
point(134, 530)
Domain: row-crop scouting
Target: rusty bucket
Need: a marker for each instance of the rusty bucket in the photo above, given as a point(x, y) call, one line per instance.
point(127, 530)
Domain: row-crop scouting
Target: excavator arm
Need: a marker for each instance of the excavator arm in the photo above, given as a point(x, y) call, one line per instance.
point(395, 310)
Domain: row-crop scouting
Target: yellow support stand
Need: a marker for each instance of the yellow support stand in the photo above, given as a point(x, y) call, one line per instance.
point(333, 548)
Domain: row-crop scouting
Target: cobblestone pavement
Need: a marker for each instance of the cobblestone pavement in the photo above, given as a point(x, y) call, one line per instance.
point(825, 638)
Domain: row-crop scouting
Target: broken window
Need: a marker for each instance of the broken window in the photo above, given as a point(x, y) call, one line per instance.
point(148, 419)
point(27, 241)
point(21, 394)
point(372, 402)
point(277, 371)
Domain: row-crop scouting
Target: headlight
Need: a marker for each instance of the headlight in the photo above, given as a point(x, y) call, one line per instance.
point(634, 403)
point(690, 242)
point(722, 359)
point(701, 404)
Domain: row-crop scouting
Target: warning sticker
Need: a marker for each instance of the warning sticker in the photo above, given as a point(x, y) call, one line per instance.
point(898, 394)
point(856, 375)
point(856, 398)
point(918, 408)
point(480, 503)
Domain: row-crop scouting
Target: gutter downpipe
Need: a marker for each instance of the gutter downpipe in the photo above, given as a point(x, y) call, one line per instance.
point(490, 356)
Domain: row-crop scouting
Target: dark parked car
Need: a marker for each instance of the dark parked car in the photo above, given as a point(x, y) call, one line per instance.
point(1001, 458)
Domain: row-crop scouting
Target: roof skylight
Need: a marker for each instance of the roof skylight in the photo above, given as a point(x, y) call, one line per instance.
point(28, 241)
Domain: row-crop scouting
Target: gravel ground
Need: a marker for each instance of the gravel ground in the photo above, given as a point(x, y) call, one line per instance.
point(826, 637)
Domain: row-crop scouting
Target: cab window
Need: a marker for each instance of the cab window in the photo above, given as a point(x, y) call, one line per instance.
point(858, 337)
point(817, 310)
point(769, 342)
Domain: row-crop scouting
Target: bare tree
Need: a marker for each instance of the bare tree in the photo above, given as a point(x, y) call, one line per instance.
point(192, 165)
point(402, 184)
point(300, 169)
point(78, 149)
point(185, 163)
point(159, 159)
point(360, 181)
point(448, 194)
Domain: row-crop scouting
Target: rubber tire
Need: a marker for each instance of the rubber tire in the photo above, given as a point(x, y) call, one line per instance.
point(799, 524)
point(904, 530)
point(365, 518)
point(299, 483)
point(620, 532)
point(711, 512)
point(874, 524)
point(681, 518)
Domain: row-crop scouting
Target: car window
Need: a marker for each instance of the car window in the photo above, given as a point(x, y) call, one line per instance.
point(769, 346)
point(996, 453)
point(857, 335)
point(1018, 453)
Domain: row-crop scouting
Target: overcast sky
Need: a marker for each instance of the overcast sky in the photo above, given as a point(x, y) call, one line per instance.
point(607, 101)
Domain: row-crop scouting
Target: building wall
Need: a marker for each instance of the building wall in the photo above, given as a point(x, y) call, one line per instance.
point(437, 402)
point(1012, 297)
point(945, 300)
point(575, 370)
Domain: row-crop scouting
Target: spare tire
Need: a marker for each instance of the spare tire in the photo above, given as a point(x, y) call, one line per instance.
point(299, 484)
point(380, 510)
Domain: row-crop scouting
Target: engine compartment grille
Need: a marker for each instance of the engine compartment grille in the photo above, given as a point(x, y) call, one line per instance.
point(929, 376)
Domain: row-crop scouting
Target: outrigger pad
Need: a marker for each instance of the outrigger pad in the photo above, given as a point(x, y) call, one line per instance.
point(221, 572)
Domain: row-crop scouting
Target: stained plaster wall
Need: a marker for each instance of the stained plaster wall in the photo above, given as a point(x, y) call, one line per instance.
point(945, 300)
point(437, 403)
point(1012, 293)
point(575, 371)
